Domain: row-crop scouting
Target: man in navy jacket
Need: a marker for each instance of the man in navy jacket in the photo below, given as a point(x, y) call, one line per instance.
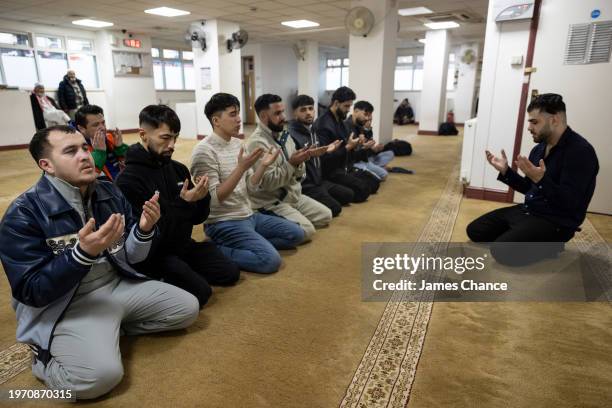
point(558, 185)
point(67, 246)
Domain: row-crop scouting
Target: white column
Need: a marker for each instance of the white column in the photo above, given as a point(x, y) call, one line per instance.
point(308, 71)
point(372, 65)
point(466, 85)
point(223, 67)
point(435, 67)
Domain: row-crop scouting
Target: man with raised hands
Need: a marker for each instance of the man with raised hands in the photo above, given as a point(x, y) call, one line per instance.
point(68, 246)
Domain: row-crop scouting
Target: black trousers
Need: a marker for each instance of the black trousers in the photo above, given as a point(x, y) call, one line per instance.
point(332, 195)
point(202, 264)
point(513, 233)
point(359, 181)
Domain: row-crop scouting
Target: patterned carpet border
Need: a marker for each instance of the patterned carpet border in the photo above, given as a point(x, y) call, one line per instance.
point(386, 372)
point(13, 361)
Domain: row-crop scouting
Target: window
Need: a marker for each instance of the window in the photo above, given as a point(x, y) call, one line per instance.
point(85, 66)
point(46, 60)
point(336, 73)
point(14, 39)
point(409, 73)
point(173, 70)
point(49, 42)
point(79, 45)
point(52, 68)
point(170, 54)
point(19, 67)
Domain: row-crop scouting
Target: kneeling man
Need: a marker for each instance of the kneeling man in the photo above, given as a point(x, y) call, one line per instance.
point(558, 185)
point(67, 246)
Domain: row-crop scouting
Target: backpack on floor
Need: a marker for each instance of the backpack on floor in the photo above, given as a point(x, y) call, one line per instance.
point(399, 147)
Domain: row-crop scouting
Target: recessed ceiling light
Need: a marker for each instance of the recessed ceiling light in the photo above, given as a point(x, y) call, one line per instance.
point(167, 12)
point(92, 23)
point(300, 24)
point(442, 25)
point(422, 40)
point(414, 11)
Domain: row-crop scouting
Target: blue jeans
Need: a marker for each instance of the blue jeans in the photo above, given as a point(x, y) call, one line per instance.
point(252, 242)
point(376, 164)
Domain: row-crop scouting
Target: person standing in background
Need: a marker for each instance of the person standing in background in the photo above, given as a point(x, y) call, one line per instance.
point(71, 94)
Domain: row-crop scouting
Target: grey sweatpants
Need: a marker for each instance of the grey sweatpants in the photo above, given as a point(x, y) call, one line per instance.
point(85, 347)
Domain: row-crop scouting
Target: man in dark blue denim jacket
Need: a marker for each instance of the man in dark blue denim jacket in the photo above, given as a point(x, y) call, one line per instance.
point(67, 245)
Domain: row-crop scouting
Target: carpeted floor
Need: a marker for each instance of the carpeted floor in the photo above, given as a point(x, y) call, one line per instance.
point(296, 338)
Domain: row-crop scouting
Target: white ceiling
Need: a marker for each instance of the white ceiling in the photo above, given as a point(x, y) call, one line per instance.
point(261, 18)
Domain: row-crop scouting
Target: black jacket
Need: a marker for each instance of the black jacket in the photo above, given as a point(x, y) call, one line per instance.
point(139, 180)
point(328, 130)
point(359, 154)
point(39, 119)
point(564, 193)
point(302, 135)
point(66, 96)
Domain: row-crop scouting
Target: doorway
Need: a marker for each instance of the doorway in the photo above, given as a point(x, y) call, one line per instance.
point(248, 90)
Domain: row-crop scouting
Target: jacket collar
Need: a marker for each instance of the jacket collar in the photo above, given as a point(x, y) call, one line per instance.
point(55, 203)
point(266, 130)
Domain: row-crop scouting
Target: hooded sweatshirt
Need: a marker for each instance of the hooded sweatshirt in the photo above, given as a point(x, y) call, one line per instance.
point(143, 175)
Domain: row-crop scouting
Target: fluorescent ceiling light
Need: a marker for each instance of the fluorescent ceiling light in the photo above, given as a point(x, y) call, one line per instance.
point(92, 23)
point(300, 24)
point(442, 25)
point(422, 40)
point(414, 11)
point(167, 12)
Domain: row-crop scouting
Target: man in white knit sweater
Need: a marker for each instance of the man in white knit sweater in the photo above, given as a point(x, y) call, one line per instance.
point(250, 239)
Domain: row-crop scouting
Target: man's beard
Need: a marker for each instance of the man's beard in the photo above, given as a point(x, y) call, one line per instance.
point(361, 122)
point(276, 128)
point(543, 136)
point(341, 114)
point(160, 158)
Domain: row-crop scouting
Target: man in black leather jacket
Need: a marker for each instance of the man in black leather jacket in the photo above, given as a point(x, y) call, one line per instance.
point(67, 246)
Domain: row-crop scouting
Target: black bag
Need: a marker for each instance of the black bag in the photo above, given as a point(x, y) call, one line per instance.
point(447, 129)
point(399, 147)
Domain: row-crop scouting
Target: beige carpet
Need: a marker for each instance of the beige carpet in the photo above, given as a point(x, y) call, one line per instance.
point(299, 337)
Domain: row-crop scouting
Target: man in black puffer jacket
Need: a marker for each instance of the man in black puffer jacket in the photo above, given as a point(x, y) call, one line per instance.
point(176, 257)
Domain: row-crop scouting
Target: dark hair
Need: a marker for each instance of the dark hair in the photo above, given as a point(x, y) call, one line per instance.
point(548, 102)
point(264, 102)
point(218, 103)
point(156, 115)
point(343, 94)
point(80, 117)
point(302, 100)
point(364, 106)
point(40, 141)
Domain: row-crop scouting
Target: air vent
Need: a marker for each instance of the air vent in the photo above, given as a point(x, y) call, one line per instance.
point(456, 16)
point(589, 43)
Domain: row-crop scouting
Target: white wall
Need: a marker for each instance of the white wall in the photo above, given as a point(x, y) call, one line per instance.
point(125, 96)
point(308, 71)
point(275, 71)
point(500, 91)
point(586, 89)
point(435, 68)
point(466, 86)
point(171, 98)
point(224, 68)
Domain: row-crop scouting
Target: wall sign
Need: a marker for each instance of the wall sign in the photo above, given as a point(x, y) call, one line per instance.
point(595, 13)
point(132, 43)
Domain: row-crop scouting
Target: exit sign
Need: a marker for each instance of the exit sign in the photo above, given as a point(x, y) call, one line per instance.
point(128, 42)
